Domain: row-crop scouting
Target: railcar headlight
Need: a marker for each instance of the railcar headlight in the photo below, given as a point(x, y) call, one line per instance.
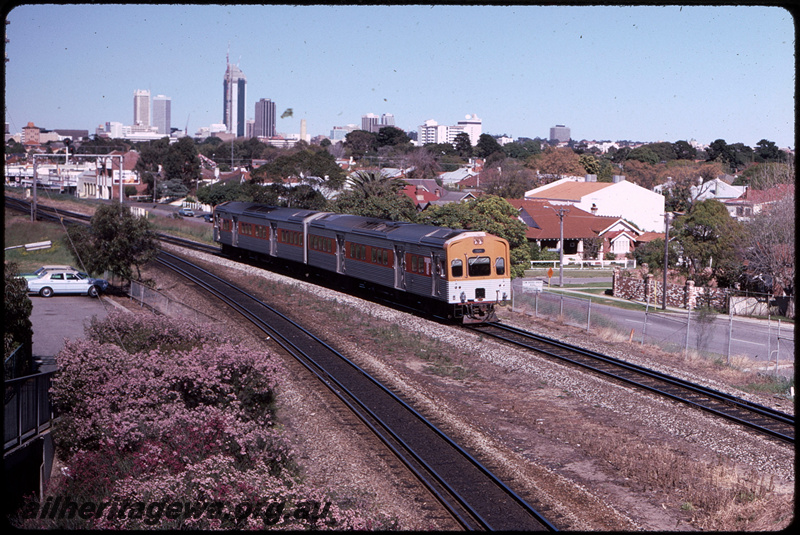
point(463, 297)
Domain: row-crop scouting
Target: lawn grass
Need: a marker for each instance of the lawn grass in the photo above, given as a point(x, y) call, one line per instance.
point(19, 230)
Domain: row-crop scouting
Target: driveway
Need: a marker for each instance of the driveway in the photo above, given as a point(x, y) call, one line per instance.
point(60, 317)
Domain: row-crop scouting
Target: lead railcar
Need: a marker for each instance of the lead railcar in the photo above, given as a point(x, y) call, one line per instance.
point(462, 274)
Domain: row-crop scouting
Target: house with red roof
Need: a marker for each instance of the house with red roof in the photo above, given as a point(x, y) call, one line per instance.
point(753, 201)
point(586, 236)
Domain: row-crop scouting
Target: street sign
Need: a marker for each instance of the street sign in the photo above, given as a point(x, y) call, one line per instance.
point(533, 286)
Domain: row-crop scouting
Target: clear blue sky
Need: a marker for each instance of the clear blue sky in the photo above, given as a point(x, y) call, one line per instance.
point(609, 73)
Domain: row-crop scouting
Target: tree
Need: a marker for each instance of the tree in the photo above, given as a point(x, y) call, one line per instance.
point(373, 194)
point(768, 246)
point(558, 162)
point(643, 154)
point(767, 151)
point(360, 142)
point(684, 151)
point(767, 175)
point(181, 162)
point(151, 157)
point(311, 165)
point(735, 156)
point(589, 163)
point(509, 179)
point(487, 145)
point(391, 136)
point(652, 254)
point(115, 241)
point(523, 148)
point(422, 163)
point(17, 311)
point(708, 238)
point(463, 145)
point(221, 192)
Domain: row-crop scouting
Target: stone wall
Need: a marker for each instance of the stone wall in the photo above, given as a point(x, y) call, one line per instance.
point(628, 286)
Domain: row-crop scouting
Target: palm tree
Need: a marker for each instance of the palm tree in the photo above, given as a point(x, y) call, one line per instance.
point(374, 183)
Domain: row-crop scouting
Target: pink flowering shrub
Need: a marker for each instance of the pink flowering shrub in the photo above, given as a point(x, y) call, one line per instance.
point(175, 428)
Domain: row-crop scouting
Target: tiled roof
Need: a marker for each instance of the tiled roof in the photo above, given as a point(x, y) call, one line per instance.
point(543, 222)
point(755, 196)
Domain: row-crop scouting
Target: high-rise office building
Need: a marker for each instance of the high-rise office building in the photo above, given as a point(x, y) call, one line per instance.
point(141, 107)
point(162, 118)
point(234, 96)
point(560, 133)
point(265, 118)
point(370, 122)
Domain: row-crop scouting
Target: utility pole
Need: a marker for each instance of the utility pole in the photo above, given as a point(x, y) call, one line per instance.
point(666, 260)
point(561, 212)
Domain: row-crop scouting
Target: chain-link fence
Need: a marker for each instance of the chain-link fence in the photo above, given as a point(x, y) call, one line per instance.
point(155, 300)
point(762, 344)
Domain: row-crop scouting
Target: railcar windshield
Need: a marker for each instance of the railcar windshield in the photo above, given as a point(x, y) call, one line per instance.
point(480, 266)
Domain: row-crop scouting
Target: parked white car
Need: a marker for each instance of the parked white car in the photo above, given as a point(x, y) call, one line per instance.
point(63, 282)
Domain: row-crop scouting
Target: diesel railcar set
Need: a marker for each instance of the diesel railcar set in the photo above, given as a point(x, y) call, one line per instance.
point(456, 273)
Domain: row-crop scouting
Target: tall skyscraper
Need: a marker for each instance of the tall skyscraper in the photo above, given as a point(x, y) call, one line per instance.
point(141, 107)
point(370, 122)
point(265, 118)
point(234, 95)
point(162, 114)
point(387, 119)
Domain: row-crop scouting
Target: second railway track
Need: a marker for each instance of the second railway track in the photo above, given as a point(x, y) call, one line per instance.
point(474, 496)
point(763, 419)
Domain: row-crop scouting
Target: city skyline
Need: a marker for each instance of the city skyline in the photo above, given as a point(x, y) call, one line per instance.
point(660, 73)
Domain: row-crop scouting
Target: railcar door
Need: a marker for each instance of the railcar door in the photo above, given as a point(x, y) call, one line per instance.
point(235, 231)
point(273, 238)
point(399, 267)
point(340, 253)
point(436, 274)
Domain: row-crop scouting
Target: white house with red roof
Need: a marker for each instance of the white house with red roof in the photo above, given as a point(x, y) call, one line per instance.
point(620, 199)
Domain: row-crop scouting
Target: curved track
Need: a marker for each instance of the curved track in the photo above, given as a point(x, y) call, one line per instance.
point(760, 418)
point(473, 495)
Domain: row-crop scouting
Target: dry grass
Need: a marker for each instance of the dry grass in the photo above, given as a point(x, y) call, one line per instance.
point(716, 494)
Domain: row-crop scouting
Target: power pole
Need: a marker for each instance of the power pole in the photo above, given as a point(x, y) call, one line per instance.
point(666, 260)
point(561, 212)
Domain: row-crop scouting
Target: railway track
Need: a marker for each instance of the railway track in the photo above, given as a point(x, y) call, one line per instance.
point(47, 213)
point(474, 497)
point(762, 419)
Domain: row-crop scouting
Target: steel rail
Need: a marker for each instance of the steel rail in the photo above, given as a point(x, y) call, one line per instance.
point(329, 379)
point(636, 373)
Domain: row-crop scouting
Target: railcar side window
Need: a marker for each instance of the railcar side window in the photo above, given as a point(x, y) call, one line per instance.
point(500, 266)
point(480, 266)
point(457, 268)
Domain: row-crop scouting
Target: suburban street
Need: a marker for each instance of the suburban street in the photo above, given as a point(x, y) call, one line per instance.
point(761, 340)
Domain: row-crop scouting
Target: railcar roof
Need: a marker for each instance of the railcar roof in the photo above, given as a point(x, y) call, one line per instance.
point(396, 230)
point(367, 226)
point(276, 213)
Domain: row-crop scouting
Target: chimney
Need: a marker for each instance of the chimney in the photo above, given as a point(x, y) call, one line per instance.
point(594, 209)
